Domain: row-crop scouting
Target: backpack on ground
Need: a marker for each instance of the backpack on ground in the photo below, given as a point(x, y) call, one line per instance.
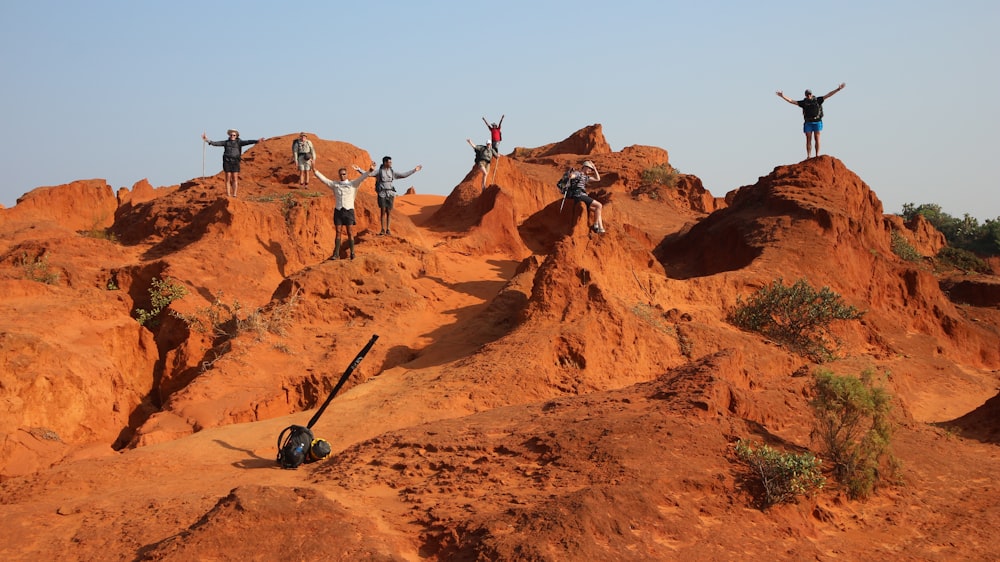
point(294, 446)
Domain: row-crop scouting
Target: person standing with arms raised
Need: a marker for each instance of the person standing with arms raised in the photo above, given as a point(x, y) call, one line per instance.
point(812, 114)
point(231, 157)
point(387, 192)
point(343, 213)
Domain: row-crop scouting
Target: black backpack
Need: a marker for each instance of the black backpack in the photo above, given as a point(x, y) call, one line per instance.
point(564, 183)
point(812, 109)
point(294, 445)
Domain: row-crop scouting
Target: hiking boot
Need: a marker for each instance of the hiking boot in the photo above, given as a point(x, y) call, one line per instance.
point(352, 255)
point(387, 232)
point(333, 258)
point(597, 230)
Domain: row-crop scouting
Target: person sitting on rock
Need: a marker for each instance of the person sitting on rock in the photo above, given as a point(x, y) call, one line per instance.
point(578, 191)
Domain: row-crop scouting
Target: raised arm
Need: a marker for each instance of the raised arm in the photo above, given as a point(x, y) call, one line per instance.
point(835, 90)
point(471, 143)
point(485, 122)
point(322, 178)
point(410, 173)
point(356, 182)
point(786, 98)
point(500, 123)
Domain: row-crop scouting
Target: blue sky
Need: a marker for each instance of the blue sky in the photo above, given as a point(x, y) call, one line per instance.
point(123, 90)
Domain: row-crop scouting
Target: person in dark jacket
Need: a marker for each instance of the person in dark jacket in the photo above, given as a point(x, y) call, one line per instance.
point(231, 157)
point(812, 114)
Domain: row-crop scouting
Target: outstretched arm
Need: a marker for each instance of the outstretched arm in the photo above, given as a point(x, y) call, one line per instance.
point(786, 98)
point(471, 143)
point(322, 178)
point(500, 123)
point(835, 90)
point(485, 122)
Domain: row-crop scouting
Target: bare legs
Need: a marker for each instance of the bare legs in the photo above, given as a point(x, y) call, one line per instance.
point(596, 207)
point(485, 167)
point(232, 183)
point(383, 217)
point(810, 141)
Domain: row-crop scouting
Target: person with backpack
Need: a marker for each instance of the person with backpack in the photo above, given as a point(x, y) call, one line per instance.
point(231, 157)
point(343, 212)
point(495, 135)
point(576, 189)
point(387, 192)
point(812, 113)
point(485, 153)
point(303, 155)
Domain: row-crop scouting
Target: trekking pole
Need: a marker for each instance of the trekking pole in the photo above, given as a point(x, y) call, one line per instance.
point(343, 379)
point(495, 171)
point(203, 145)
point(563, 200)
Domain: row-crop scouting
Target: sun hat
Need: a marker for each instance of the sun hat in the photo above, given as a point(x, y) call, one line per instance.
point(589, 164)
point(231, 131)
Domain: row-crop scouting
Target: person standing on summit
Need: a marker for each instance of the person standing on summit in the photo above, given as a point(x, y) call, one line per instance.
point(304, 156)
point(812, 113)
point(387, 192)
point(231, 157)
point(495, 134)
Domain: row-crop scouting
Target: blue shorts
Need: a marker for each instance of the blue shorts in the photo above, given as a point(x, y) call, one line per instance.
point(812, 127)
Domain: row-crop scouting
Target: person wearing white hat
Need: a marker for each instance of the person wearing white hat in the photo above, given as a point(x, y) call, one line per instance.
point(578, 191)
point(231, 157)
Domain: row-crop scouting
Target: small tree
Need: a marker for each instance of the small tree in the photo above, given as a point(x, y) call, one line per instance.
point(161, 294)
point(852, 424)
point(798, 316)
point(782, 476)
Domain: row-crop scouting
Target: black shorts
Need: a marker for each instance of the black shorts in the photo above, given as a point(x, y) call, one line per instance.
point(230, 164)
point(582, 197)
point(386, 202)
point(344, 217)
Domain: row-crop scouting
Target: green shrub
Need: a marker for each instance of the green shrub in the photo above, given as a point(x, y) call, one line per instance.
point(660, 174)
point(161, 294)
point(962, 259)
point(798, 316)
point(965, 233)
point(227, 321)
point(782, 476)
point(37, 269)
point(902, 248)
point(852, 424)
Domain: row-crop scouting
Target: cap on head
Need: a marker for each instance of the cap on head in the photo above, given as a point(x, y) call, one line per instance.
point(809, 93)
point(589, 164)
